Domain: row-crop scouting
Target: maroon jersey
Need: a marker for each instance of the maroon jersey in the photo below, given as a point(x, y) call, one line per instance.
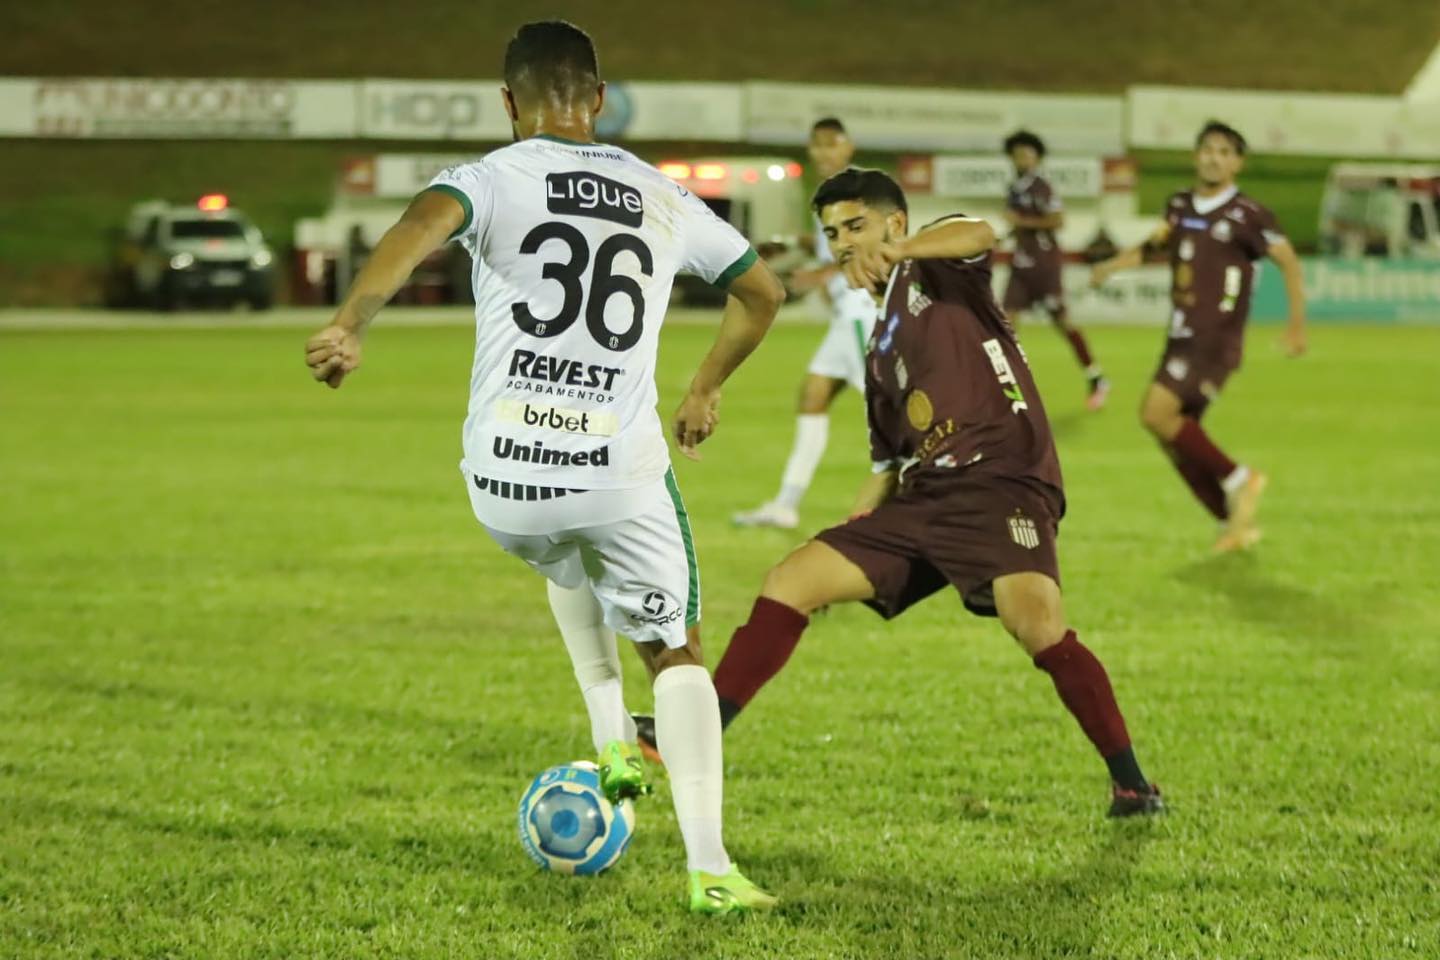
point(1212, 264)
point(947, 389)
point(1032, 196)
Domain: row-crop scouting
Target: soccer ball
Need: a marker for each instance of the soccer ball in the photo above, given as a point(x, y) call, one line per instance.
point(567, 825)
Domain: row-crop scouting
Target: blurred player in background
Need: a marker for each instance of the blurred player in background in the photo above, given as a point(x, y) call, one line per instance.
point(1034, 209)
point(966, 489)
point(1213, 235)
point(840, 358)
point(575, 247)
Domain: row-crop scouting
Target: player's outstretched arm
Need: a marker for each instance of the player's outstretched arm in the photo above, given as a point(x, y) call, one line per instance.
point(954, 238)
point(1293, 339)
point(426, 224)
point(1128, 259)
point(755, 298)
point(1031, 221)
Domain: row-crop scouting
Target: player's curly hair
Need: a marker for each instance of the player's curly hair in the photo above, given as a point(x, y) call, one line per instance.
point(874, 188)
point(1024, 138)
point(1236, 138)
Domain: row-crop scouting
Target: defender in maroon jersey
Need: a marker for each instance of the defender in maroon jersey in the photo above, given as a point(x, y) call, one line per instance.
point(1213, 235)
point(966, 489)
point(1034, 209)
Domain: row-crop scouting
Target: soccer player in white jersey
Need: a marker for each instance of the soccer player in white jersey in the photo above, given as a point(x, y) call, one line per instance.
point(575, 247)
point(840, 358)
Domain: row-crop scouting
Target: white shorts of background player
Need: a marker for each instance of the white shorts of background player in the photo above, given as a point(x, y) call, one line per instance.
point(841, 355)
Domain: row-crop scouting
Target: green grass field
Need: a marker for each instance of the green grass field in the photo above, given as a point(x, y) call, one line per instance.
point(267, 691)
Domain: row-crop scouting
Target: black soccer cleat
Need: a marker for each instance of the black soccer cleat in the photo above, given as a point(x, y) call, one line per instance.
point(1135, 803)
point(645, 737)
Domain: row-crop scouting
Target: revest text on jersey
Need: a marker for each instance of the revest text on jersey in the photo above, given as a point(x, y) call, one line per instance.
point(528, 365)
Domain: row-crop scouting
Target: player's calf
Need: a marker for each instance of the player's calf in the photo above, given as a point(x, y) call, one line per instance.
point(1030, 607)
point(813, 576)
point(1160, 413)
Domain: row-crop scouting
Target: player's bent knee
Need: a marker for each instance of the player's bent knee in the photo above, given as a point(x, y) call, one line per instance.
point(815, 575)
point(817, 393)
point(1030, 609)
point(1162, 423)
point(786, 583)
point(660, 658)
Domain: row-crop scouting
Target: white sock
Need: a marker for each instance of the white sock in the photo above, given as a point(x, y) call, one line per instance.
point(596, 661)
point(812, 431)
point(1235, 480)
point(687, 726)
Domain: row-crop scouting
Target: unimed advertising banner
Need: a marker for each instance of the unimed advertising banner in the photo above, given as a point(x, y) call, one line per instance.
point(176, 108)
point(1372, 289)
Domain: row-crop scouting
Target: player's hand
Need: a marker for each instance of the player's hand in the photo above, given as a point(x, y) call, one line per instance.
point(1293, 342)
point(696, 419)
point(1011, 217)
point(332, 353)
point(866, 270)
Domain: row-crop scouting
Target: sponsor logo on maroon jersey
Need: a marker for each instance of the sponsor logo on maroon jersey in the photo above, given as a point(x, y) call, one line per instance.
point(920, 410)
point(1005, 375)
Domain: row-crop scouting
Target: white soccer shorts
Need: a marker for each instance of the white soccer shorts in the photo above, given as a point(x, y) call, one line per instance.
point(642, 568)
point(841, 355)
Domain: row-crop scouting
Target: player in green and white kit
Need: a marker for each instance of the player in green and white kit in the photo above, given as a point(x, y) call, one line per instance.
point(576, 246)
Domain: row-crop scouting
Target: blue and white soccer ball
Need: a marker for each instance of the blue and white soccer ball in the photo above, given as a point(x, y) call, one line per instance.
point(567, 825)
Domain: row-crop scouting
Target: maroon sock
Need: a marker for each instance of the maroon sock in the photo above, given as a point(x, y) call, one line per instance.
point(1084, 688)
point(1077, 341)
point(1202, 483)
point(756, 653)
point(1193, 445)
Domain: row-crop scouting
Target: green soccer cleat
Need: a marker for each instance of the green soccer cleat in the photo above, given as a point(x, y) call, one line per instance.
point(732, 893)
point(622, 772)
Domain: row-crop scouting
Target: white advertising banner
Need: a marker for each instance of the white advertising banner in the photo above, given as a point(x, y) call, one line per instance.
point(672, 111)
point(1299, 123)
point(913, 119)
point(990, 176)
point(910, 118)
point(176, 108)
point(441, 110)
point(432, 110)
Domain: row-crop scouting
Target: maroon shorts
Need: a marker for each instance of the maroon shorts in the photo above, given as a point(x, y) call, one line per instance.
point(1195, 378)
point(1035, 286)
point(964, 531)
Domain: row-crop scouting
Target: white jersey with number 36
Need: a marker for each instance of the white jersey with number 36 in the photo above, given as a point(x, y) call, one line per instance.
point(575, 248)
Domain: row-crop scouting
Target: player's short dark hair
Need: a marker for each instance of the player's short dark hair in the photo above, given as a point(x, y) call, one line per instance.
point(829, 123)
point(1236, 138)
point(1024, 138)
point(874, 188)
point(551, 58)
